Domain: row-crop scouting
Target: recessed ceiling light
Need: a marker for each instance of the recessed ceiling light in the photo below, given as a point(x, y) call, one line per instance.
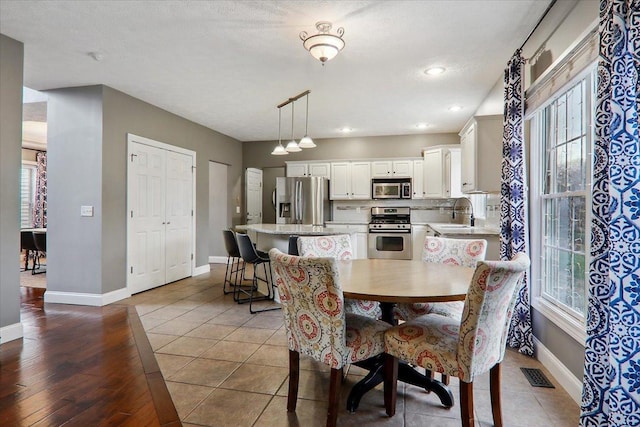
point(455, 108)
point(434, 71)
point(345, 130)
point(422, 125)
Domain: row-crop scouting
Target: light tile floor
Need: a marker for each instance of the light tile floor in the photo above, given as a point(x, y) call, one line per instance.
point(226, 367)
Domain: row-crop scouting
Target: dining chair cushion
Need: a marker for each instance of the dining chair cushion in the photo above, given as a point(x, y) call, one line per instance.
point(475, 344)
point(314, 313)
point(338, 247)
point(439, 250)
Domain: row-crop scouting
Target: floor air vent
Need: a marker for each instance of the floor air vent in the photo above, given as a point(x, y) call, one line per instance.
point(536, 378)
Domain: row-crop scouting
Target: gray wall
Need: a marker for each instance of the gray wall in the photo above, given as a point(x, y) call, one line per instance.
point(258, 154)
point(269, 176)
point(11, 60)
point(74, 178)
point(88, 166)
point(124, 114)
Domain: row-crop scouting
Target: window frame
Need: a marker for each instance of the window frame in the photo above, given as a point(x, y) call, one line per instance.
point(28, 164)
point(565, 318)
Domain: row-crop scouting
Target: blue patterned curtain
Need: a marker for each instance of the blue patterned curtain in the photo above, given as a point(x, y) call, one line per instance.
point(514, 228)
point(611, 387)
point(40, 206)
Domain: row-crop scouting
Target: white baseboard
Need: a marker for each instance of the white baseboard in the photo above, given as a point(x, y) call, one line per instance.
point(567, 380)
point(201, 270)
point(11, 332)
point(217, 260)
point(77, 298)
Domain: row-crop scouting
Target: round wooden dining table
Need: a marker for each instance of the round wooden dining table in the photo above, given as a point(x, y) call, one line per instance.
point(390, 282)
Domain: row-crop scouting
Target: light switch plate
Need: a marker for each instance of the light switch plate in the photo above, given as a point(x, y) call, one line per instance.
point(86, 210)
point(237, 209)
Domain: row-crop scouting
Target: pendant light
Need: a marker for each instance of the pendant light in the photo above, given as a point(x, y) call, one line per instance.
point(292, 146)
point(306, 141)
point(279, 150)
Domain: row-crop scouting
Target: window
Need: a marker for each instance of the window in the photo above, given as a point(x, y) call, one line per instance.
point(561, 135)
point(27, 194)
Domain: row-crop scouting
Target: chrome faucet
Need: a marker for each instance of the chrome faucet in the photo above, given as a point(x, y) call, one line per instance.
point(472, 219)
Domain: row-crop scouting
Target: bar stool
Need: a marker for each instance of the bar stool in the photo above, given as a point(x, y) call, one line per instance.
point(250, 255)
point(28, 245)
point(235, 264)
point(40, 240)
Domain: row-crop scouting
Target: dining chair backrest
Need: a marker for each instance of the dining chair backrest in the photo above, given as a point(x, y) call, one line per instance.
point(247, 250)
point(487, 313)
point(337, 246)
point(293, 246)
point(230, 243)
point(313, 306)
point(40, 240)
point(464, 252)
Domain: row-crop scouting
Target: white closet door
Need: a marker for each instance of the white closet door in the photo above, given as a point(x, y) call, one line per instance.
point(254, 195)
point(178, 215)
point(147, 213)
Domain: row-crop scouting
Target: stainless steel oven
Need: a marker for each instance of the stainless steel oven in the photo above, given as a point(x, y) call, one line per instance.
point(390, 233)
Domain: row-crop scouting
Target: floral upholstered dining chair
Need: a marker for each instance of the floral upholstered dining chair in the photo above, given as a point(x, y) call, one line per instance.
point(466, 348)
point(464, 252)
point(338, 247)
point(317, 325)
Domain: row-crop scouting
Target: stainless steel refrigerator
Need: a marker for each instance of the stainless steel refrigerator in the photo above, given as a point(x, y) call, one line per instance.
point(302, 200)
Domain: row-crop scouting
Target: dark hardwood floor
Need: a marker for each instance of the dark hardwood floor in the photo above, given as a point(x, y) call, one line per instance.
point(81, 366)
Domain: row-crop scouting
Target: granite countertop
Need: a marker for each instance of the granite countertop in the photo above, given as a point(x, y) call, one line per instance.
point(301, 230)
point(445, 229)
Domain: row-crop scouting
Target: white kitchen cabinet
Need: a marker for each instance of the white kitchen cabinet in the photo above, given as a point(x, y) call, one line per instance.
point(481, 154)
point(350, 181)
point(392, 168)
point(359, 236)
point(442, 179)
point(417, 182)
point(309, 169)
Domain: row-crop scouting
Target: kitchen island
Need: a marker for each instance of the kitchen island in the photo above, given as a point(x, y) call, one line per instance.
point(267, 236)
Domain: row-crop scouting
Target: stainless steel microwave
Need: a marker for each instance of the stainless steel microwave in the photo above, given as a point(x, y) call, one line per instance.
point(385, 188)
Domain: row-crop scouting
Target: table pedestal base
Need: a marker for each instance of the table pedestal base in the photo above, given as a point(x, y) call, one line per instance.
point(406, 373)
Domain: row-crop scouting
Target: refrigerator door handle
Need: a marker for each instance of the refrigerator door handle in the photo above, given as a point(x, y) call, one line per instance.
point(300, 202)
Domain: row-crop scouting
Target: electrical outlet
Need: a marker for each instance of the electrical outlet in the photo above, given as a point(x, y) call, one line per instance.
point(86, 210)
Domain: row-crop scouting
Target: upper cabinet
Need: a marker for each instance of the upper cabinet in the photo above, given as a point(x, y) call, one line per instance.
point(417, 182)
point(392, 169)
point(309, 169)
point(350, 181)
point(442, 176)
point(481, 153)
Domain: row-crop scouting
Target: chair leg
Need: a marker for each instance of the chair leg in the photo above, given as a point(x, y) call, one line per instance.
point(294, 380)
point(390, 384)
point(334, 397)
point(496, 399)
point(445, 379)
point(466, 404)
point(227, 275)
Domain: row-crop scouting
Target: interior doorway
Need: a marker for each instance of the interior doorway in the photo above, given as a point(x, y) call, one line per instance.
point(219, 218)
point(253, 180)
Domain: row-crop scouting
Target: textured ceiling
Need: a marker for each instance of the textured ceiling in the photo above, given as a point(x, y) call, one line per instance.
point(227, 64)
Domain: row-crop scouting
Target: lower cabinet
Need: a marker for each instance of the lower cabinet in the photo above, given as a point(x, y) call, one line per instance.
point(418, 233)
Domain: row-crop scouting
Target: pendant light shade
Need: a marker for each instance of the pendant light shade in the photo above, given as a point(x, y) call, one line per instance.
point(292, 146)
point(323, 46)
point(279, 150)
point(306, 141)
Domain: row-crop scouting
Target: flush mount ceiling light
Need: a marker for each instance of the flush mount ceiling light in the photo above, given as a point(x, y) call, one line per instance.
point(324, 45)
point(279, 150)
point(292, 146)
point(345, 130)
point(422, 125)
point(434, 71)
point(455, 108)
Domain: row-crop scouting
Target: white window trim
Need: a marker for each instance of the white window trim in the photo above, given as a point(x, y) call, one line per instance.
point(572, 325)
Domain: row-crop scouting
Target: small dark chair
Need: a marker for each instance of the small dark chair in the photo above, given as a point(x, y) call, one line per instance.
point(235, 264)
point(250, 255)
point(28, 245)
point(40, 240)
